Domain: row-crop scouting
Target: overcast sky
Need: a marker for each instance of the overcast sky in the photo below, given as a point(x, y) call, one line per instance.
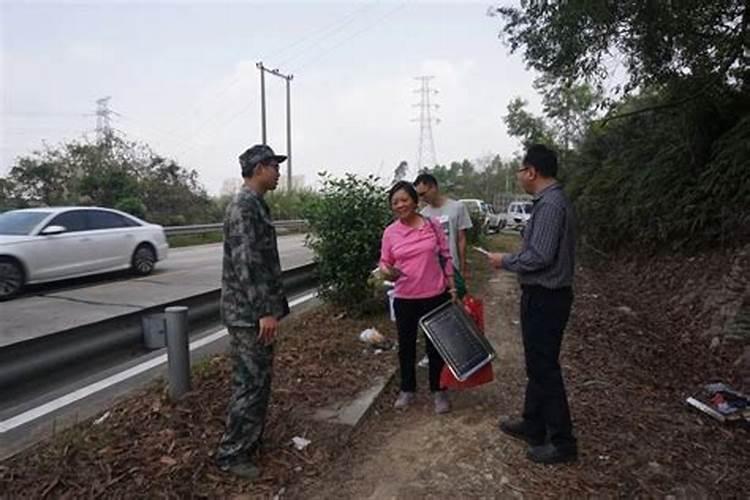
point(183, 78)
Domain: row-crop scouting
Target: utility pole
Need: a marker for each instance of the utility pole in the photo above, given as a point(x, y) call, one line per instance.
point(289, 133)
point(288, 78)
point(262, 100)
point(426, 152)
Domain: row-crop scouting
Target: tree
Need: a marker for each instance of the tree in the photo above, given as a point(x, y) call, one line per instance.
point(43, 178)
point(173, 195)
point(676, 180)
point(667, 167)
point(493, 177)
point(111, 172)
point(659, 41)
point(288, 205)
point(6, 194)
point(528, 128)
point(569, 106)
point(483, 178)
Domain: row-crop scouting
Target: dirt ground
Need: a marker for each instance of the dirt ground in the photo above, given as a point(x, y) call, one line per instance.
point(634, 350)
point(416, 454)
point(163, 449)
point(643, 336)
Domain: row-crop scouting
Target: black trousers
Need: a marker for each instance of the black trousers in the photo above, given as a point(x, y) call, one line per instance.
point(544, 314)
point(408, 312)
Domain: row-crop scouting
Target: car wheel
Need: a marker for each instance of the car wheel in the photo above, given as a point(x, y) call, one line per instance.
point(11, 278)
point(144, 260)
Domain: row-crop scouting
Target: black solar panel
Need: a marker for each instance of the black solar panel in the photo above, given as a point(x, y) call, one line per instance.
point(457, 339)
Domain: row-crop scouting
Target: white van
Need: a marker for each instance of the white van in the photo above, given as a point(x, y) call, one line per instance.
point(478, 209)
point(518, 214)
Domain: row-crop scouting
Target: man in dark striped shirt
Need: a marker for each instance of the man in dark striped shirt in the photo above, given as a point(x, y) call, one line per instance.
point(545, 266)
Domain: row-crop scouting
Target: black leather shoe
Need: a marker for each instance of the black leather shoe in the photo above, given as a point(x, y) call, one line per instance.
point(519, 430)
point(551, 454)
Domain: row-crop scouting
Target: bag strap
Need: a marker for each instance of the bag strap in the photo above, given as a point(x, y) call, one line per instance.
point(441, 257)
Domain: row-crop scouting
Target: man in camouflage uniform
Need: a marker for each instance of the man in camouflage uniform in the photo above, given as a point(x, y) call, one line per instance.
point(252, 303)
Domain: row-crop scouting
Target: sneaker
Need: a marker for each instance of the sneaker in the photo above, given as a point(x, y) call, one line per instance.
point(245, 470)
point(519, 430)
point(551, 454)
point(404, 399)
point(442, 405)
point(424, 362)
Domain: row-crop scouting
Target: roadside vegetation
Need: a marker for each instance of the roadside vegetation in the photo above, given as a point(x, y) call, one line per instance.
point(660, 162)
point(346, 223)
point(116, 172)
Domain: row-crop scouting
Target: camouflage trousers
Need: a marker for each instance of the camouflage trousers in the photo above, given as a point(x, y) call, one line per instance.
point(251, 391)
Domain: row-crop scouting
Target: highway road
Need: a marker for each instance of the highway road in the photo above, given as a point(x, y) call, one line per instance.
point(189, 271)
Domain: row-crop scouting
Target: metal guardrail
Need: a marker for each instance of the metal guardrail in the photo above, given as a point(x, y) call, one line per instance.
point(36, 358)
point(294, 225)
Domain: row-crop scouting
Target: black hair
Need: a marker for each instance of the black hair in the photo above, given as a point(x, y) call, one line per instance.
point(405, 186)
point(425, 178)
point(247, 170)
point(247, 167)
point(542, 158)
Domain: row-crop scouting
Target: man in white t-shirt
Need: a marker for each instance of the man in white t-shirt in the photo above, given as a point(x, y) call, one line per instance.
point(454, 219)
point(452, 215)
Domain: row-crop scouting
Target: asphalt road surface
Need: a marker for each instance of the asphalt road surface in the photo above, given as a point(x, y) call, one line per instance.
point(55, 307)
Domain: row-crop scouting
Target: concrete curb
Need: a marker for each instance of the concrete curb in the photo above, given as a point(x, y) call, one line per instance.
point(353, 413)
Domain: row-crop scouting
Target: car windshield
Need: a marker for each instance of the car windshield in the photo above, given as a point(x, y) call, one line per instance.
point(473, 206)
point(526, 208)
point(20, 223)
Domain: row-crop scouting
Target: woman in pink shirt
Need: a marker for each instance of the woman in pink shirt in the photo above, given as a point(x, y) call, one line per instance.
point(410, 256)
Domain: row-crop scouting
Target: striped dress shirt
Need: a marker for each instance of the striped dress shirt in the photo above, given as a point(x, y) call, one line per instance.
point(547, 256)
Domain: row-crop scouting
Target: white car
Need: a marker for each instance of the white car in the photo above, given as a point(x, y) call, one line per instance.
point(518, 214)
point(479, 209)
point(496, 220)
point(47, 244)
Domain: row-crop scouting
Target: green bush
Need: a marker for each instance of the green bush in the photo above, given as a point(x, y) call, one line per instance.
point(290, 205)
point(133, 206)
point(346, 223)
point(673, 180)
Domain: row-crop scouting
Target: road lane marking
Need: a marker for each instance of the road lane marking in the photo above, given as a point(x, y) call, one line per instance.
point(72, 397)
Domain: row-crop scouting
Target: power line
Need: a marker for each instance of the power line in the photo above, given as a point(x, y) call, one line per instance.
point(43, 114)
point(147, 134)
point(327, 28)
point(195, 147)
point(32, 131)
point(356, 34)
point(220, 121)
point(332, 32)
point(237, 78)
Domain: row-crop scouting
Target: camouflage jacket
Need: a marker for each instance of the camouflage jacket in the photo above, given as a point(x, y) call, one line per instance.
point(251, 285)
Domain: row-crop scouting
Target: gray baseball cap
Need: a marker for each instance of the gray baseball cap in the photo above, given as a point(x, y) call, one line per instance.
point(257, 154)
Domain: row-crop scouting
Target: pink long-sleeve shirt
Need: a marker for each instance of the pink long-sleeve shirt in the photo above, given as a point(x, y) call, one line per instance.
point(415, 252)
